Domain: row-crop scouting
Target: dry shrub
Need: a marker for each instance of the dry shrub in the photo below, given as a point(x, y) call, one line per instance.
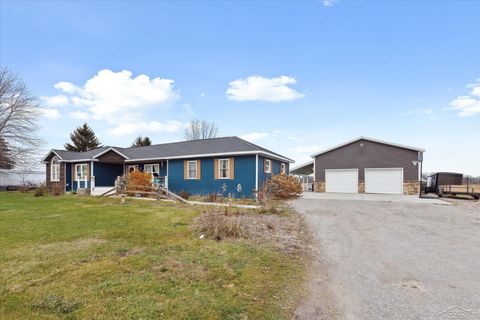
point(40, 191)
point(220, 223)
point(139, 181)
point(282, 187)
point(213, 197)
point(184, 194)
point(56, 189)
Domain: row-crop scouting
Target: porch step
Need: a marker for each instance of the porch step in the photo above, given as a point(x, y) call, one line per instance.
point(98, 191)
point(83, 191)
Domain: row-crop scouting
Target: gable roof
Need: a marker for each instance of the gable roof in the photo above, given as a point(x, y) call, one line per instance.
point(176, 150)
point(368, 139)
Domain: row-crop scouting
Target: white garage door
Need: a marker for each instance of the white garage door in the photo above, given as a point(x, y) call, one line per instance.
point(385, 180)
point(344, 180)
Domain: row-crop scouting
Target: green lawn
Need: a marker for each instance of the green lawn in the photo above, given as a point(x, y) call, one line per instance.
point(81, 257)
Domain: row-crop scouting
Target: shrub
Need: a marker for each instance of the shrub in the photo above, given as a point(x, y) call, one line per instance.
point(40, 191)
point(282, 187)
point(213, 197)
point(220, 223)
point(57, 189)
point(184, 194)
point(139, 181)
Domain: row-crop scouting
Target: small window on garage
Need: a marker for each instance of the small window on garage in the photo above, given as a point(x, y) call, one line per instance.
point(283, 168)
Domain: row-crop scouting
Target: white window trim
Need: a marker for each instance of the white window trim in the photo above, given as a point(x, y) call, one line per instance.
point(152, 165)
point(79, 165)
point(188, 169)
point(220, 169)
point(269, 166)
point(283, 168)
point(55, 170)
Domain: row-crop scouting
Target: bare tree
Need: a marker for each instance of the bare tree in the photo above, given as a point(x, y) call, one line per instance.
point(200, 129)
point(19, 112)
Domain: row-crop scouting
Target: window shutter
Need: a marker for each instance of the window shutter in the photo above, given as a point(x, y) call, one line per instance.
point(185, 169)
point(199, 169)
point(215, 169)
point(232, 168)
point(265, 165)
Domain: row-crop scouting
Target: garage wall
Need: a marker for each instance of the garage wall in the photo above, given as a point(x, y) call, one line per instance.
point(371, 155)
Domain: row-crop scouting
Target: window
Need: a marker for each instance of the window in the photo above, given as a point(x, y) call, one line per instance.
point(268, 166)
point(55, 169)
point(192, 169)
point(153, 169)
point(132, 168)
point(283, 168)
point(80, 171)
point(224, 168)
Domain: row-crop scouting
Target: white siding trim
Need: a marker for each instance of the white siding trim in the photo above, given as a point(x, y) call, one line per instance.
point(256, 176)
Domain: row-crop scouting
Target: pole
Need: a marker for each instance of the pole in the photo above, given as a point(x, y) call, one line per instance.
point(421, 174)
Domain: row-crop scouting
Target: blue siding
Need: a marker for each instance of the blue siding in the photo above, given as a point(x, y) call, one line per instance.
point(106, 173)
point(68, 177)
point(244, 175)
point(276, 165)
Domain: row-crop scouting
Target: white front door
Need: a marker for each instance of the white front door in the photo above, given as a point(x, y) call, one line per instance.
point(341, 180)
point(384, 180)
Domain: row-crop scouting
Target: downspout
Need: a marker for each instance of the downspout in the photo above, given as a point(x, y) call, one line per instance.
point(92, 177)
point(166, 180)
point(256, 176)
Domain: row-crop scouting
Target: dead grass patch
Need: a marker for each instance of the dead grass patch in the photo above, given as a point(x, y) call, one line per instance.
point(284, 231)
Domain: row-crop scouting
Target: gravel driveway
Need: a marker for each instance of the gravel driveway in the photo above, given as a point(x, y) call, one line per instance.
point(381, 260)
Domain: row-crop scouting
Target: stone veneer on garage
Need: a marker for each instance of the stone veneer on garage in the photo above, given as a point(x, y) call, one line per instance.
point(409, 187)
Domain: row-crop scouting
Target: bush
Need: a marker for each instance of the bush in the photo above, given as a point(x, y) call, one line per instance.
point(282, 187)
point(220, 223)
point(214, 197)
point(40, 191)
point(57, 189)
point(139, 181)
point(184, 194)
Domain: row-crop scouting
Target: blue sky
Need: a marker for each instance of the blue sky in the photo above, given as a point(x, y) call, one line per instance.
point(294, 77)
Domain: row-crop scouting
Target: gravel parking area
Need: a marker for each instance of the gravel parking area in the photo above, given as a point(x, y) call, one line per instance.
point(387, 260)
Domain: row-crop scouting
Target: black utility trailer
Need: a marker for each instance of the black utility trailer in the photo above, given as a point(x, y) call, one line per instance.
point(434, 181)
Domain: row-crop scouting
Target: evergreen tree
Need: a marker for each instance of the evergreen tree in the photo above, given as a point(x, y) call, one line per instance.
point(142, 142)
point(5, 155)
point(83, 139)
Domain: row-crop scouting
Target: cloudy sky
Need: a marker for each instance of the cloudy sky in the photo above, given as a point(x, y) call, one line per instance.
point(294, 77)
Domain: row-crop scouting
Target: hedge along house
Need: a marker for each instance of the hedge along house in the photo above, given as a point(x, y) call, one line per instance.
point(229, 165)
point(365, 165)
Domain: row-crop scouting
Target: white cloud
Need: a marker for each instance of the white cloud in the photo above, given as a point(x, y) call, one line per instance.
point(329, 3)
point(55, 101)
point(129, 128)
point(257, 136)
point(427, 112)
point(263, 89)
point(467, 106)
point(49, 113)
point(79, 115)
point(117, 96)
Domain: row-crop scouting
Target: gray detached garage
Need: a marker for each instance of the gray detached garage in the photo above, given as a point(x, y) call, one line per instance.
point(366, 165)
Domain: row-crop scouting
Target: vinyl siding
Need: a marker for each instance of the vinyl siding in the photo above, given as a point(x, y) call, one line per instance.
point(262, 176)
point(371, 155)
point(244, 169)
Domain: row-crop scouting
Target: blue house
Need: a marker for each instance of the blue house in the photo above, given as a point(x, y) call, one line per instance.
point(227, 165)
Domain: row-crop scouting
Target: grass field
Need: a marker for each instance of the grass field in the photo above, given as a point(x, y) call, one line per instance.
point(92, 258)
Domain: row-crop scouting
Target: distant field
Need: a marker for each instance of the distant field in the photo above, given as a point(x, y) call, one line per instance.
point(73, 257)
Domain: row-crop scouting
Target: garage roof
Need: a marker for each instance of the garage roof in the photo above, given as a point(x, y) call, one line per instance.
point(368, 139)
